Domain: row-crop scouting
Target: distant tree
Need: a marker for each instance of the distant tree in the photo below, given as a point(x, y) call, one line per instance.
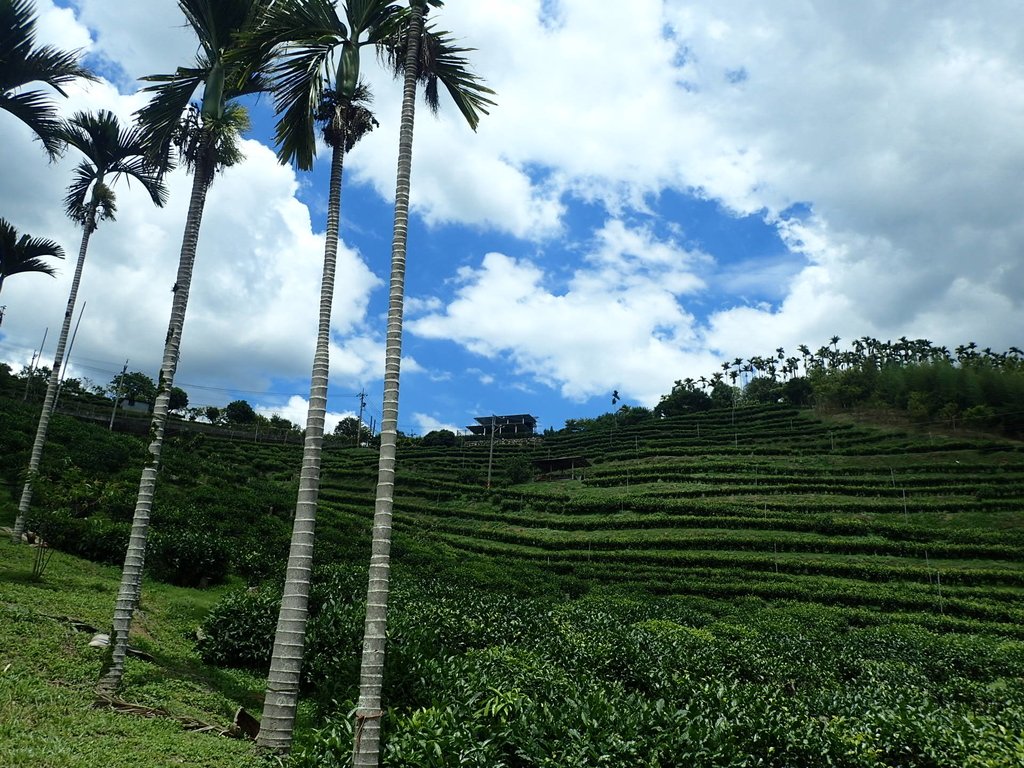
point(683, 399)
point(761, 389)
point(280, 422)
point(441, 438)
point(213, 414)
point(722, 395)
point(628, 415)
point(195, 413)
point(179, 400)
point(133, 387)
point(109, 152)
point(239, 412)
point(347, 429)
point(519, 469)
point(798, 391)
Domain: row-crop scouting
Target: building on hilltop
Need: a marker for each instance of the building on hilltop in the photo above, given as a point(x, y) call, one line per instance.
point(516, 425)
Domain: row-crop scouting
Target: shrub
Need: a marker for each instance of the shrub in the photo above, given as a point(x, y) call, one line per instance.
point(239, 630)
point(187, 549)
point(95, 538)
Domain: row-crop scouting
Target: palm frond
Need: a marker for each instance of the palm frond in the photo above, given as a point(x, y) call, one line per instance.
point(24, 253)
point(76, 204)
point(36, 110)
point(21, 63)
point(441, 61)
point(159, 119)
point(110, 152)
point(221, 27)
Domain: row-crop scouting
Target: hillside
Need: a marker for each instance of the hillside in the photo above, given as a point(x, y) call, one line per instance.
point(749, 587)
point(767, 502)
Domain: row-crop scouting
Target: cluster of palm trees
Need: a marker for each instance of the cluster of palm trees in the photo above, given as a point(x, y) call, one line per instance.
point(863, 351)
point(306, 53)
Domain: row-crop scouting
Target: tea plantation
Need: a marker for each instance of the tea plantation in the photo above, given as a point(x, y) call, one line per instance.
point(748, 587)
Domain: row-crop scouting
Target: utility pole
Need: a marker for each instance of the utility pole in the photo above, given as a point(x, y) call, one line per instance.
point(67, 357)
point(2, 310)
point(359, 421)
point(117, 395)
point(490, 456)
point(32, 366)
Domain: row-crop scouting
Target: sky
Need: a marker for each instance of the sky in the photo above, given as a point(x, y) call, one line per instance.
point(658, 189)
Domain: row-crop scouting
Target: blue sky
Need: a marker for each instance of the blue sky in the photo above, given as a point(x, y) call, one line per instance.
point(656, 191)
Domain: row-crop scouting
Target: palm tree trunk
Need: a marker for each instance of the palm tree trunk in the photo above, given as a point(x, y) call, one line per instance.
point(282, 696)
point(51, 386)
point(366, 746)
point(131, 574)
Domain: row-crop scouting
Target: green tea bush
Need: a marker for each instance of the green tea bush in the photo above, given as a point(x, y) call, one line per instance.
point(239, 630)
point(186, 548)
point(95, 538)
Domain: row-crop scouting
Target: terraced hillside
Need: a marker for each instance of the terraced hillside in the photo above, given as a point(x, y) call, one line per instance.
point(765, 502)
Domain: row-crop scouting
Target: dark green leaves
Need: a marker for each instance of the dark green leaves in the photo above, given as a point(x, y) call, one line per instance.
point(22, 63)
point(110, 152)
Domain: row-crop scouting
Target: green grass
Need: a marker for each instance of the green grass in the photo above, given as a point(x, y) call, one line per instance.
point(47, 673)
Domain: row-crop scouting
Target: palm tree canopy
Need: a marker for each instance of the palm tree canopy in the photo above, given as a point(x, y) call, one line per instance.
point(441, 60)
point(315, 54)
point(21, 63)
point(218, 25)
point(344, 119)
point(110, 152)
point(24, 253)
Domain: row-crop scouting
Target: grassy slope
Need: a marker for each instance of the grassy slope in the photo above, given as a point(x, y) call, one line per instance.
point(47, 673)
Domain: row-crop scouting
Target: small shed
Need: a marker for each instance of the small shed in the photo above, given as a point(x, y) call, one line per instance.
point(561, 465)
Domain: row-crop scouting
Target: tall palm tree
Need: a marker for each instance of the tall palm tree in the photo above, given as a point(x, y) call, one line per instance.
point(25, 253)
point(21, 63)
point(436, 59)
point(315, 78)
point(206, 138)
point(110, 152)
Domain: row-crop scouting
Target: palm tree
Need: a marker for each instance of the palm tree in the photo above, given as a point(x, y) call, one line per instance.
point(437, 59)
point(21, 63)
point(25, 253)
point(206, 138)
point(110, 152)
point(311, 84)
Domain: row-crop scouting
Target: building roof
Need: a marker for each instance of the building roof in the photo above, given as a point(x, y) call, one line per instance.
point(520, 422)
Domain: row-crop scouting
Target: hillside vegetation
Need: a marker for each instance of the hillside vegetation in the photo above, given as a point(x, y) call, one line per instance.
point(748, 586)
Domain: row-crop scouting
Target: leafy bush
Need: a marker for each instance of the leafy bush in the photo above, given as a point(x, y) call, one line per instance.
point(239, 630)
point(519, 469)
point(185, 548)
point(95, 538)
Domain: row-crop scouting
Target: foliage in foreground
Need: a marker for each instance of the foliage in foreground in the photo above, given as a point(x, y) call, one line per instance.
point(485, 679)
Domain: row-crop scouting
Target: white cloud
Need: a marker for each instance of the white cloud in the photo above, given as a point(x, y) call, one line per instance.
point(426, 423)
point(255, 291)
point(297, 409)
point(899, 125)
point(617, 324)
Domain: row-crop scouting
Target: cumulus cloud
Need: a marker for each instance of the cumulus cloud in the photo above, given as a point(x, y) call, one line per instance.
point(898, 128)
point(617, 323)
point(297, 408)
